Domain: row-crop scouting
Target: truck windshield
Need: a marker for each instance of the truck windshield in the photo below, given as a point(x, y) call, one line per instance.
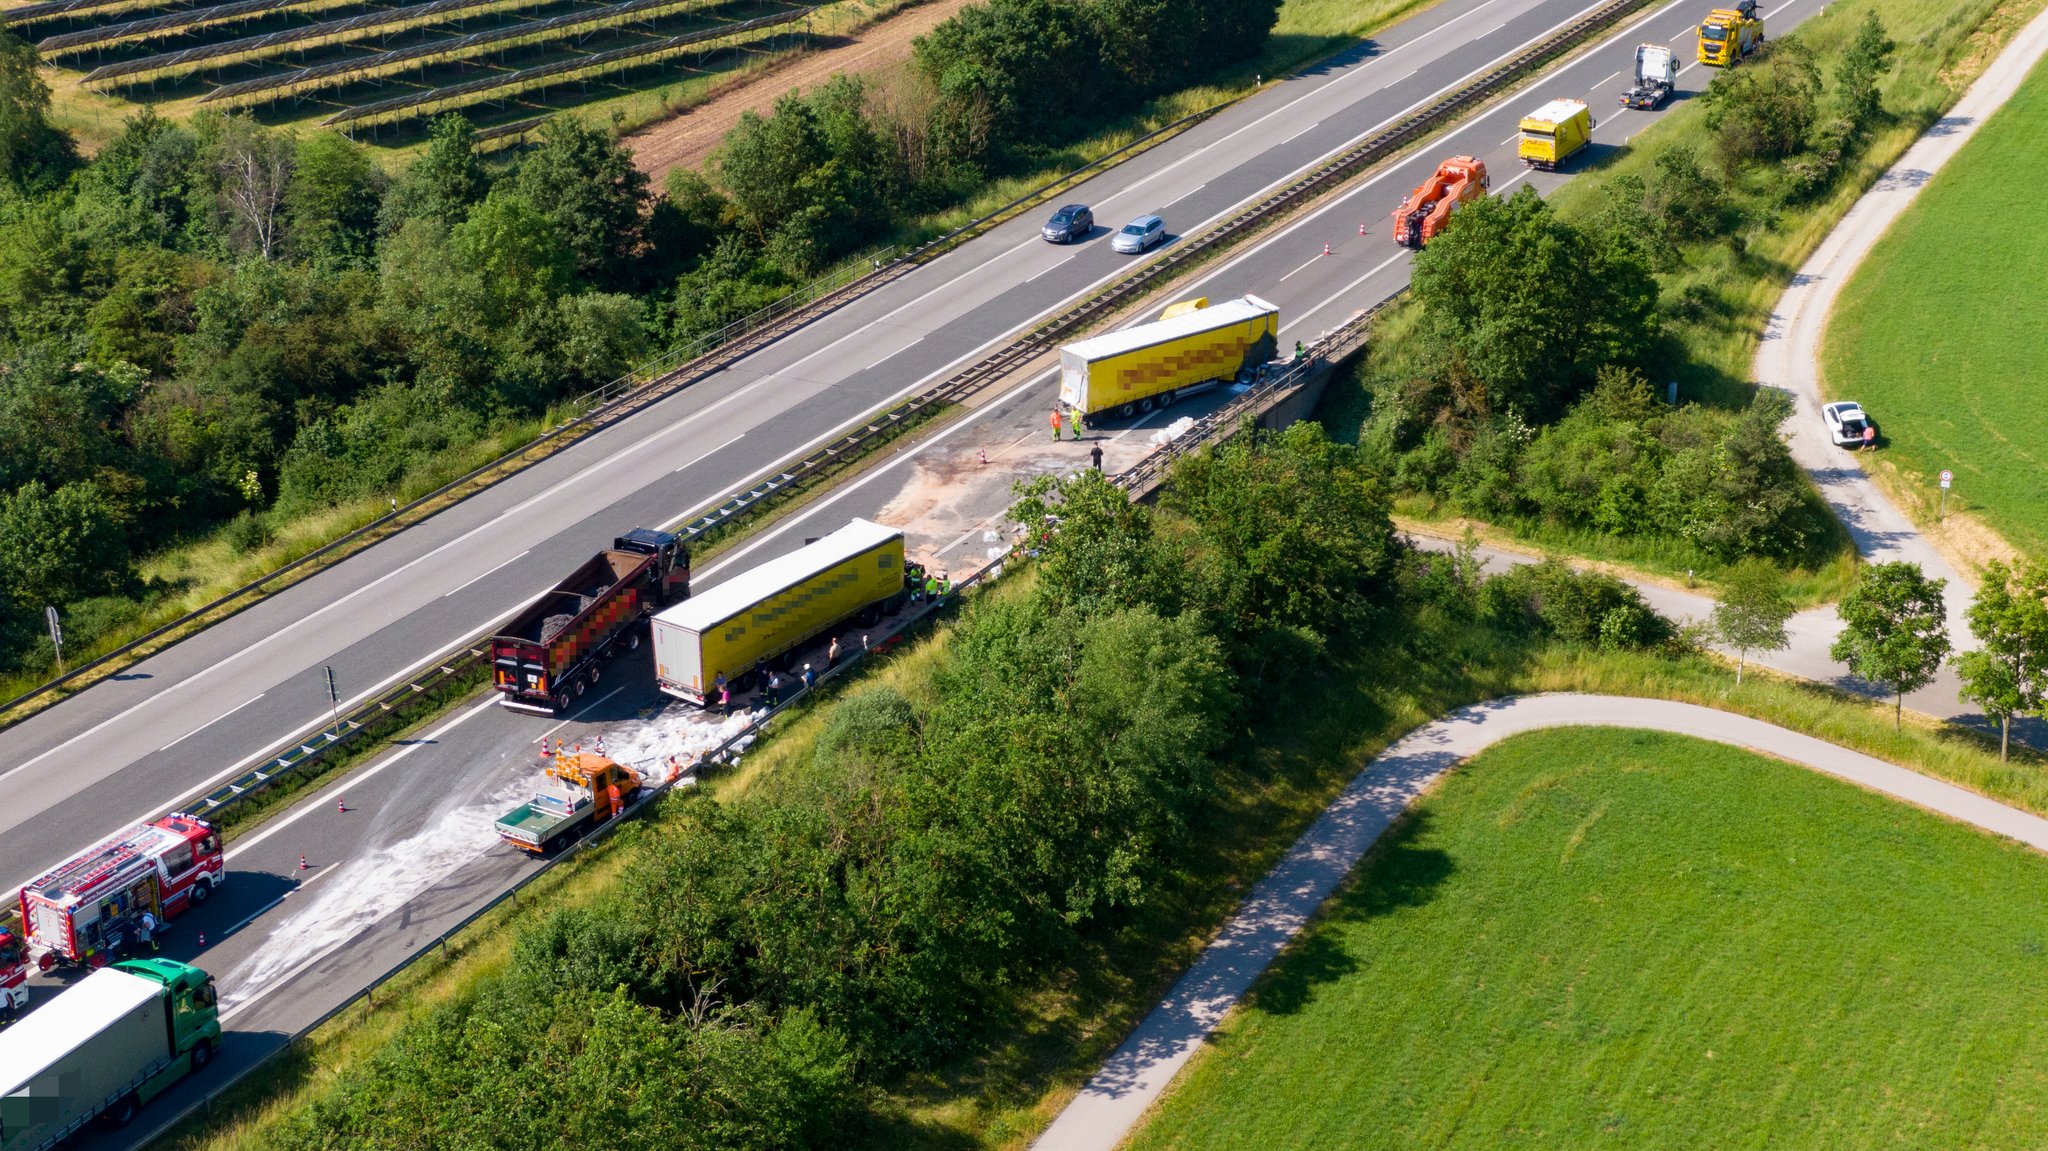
point(1710, 32)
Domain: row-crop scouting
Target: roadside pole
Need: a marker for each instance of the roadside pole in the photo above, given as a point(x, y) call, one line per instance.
point(1947, 477)
point(333, 701)
point(56, 636)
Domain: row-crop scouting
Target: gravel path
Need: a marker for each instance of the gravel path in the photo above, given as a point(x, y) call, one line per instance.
point(1113, 1102)
point(1789, 356)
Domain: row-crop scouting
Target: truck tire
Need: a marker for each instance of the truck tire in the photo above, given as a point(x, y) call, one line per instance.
point(202, 1054)
point(596, 673)
point(561, 703)
point(1127, 411)
point(1166, 398)
point(633, 640)
point(201, 892)
point(123, 1112)
point(1146, 405)
point(579, 687)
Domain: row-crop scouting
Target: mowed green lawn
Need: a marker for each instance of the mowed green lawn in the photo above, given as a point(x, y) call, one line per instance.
point(1599, 938)
point(1943, 336)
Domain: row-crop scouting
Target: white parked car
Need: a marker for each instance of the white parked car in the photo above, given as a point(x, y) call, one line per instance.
point(1847, 425)
point(1139, 235)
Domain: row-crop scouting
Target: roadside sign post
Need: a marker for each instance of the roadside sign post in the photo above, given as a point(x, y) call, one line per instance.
point(1947, 478)
point(56, 636)
point(333, 701)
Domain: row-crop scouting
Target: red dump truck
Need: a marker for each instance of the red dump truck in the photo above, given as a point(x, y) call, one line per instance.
point(548, 655)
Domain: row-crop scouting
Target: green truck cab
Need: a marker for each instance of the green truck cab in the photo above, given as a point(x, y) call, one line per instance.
point(104, 1048)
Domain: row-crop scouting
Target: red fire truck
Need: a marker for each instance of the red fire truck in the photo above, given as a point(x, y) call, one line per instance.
point(13, 977)
point(90, 909)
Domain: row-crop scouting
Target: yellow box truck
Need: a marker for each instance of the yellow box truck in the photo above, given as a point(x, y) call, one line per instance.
point(765, 612)
point(1555, 133)
point(1147, 366)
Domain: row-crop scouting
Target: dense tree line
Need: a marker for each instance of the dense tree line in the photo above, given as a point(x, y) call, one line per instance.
point(886, 907)
point(216, 323)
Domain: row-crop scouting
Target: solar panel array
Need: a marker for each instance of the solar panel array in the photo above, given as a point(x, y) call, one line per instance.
point(404, 107)
point(387, 19)
point(363, 67)
point(158, 25)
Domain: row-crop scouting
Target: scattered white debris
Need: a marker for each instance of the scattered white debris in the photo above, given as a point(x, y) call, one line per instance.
point(1174, 430)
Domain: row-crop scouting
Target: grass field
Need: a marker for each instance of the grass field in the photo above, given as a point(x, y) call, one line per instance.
point(1940, 334)
point(1597, 938)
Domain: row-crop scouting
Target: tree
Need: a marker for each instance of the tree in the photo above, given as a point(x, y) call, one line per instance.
point(61, 546)
point(2008, 674)
point(32, 152)
point(444, 183)
point(1753, 609)
point(1530, 304)
point(587, 186)
point(333, 199)
point(1688, 202)
point(1763, 111)
point(519, 258)
point(1102, 556)
point(1862, 64)
point(253, 165)
point(1894, 629)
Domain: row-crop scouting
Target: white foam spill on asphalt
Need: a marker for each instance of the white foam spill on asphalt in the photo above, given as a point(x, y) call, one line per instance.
point(363, 891)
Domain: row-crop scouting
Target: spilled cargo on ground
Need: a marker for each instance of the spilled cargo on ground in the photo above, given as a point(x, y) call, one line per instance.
point(757, 618)
point(1146, 366)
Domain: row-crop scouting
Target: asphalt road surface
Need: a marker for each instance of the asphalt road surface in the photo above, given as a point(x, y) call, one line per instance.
point(1138, 1072)
point(202, 711)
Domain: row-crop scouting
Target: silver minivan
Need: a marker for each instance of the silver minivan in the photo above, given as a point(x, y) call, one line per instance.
point(1139, 235)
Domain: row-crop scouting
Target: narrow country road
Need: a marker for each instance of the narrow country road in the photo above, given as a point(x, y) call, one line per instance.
point(1109, 1107)
point(1788, 358)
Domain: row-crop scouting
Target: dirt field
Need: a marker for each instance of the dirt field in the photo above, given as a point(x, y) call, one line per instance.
point(690, 137)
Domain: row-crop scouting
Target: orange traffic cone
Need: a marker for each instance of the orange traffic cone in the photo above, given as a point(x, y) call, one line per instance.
point(202, 941)
point(302, 861)
point(1326, 249)
point(1361, 229)
point(341, 805)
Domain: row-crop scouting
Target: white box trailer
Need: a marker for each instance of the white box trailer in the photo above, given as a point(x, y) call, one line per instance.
point(766, 611)
point(104, 1046)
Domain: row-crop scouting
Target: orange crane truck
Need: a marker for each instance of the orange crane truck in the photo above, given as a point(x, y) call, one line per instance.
point(1458, 180)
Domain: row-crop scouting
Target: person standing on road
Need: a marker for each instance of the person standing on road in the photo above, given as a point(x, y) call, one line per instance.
point(809, 679)
point(1074, 421)
point(725, 700)
point(146, 930)
point(832, 654)
point(774, 688)
point(1055, 425)
point(1095, 455)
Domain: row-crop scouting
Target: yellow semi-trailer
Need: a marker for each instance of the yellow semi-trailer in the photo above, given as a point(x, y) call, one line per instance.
point(1148, 366)
point(1555, 133)
point(760, 615)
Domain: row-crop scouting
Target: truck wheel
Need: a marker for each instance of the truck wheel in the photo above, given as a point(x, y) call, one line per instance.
point(122, 1113)
point(633, 640)
point(556, 844)
point(596, 673)
point(561, 703)
point(1145, 405)
point(201, 892)
point(1166, 398)
point(579, 687)
point(1127, 411)
point(202, 1054)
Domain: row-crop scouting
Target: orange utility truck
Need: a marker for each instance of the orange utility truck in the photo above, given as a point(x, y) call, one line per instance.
point(1458, 180)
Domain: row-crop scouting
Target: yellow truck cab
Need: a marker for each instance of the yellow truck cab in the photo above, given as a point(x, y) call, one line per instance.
point(1554, 133)
point(1729, 34)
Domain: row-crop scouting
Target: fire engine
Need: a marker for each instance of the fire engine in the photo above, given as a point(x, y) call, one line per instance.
point(89, 909)
point(13, 977)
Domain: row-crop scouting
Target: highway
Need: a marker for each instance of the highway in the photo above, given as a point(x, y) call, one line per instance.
point(201, 711)
point(413, 852)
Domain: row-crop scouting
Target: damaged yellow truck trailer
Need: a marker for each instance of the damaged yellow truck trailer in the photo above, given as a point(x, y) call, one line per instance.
point(759, 616)
point(1146, 366)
